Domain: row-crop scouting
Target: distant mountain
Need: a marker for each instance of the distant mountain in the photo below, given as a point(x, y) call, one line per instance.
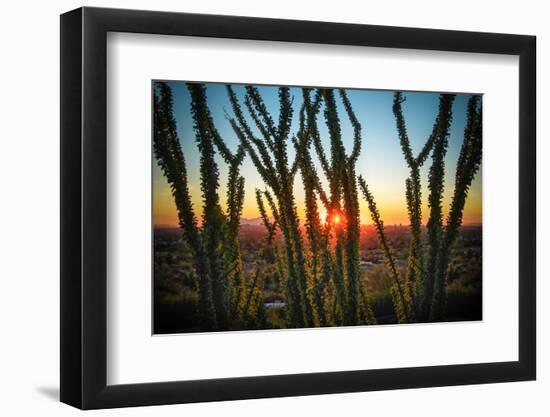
point(257, 221)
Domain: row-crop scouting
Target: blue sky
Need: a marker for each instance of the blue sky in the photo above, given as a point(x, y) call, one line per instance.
point(381, 161)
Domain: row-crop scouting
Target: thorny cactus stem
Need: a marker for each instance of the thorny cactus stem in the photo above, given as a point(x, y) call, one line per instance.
point(428, 291)
point(467, 166)
point(214, 226)
point(415, 264)
point(436, 177)
point(402, 308)
point(172, 162)
point(324, 287)
point(318, 235)
point(351, 304)
point(340, 173)
point(217, 256)
point(269, 155)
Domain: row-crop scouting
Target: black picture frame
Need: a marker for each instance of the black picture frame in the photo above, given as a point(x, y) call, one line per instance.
point(84, 207)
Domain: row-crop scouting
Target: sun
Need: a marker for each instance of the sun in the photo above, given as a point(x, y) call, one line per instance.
point(335, 219)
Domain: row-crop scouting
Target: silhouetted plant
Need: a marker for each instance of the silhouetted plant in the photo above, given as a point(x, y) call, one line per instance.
point(309, 296)
point(318, 236)
point(217, 259)
point(235, 198)
point(341, 203)
point(269, 155)
point(403, 308)
point(172, 162)
point(468, 164)
point(317, 265)
point(423, 293)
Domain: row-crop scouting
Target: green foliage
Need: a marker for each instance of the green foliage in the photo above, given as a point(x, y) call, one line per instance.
point(314, 261)
point(467, 166)
point(352, 307)
point(322, 280)
point(422, 296)
point(320, 265)
point(404, 310)
point(214, 227)
point(171, 160)
point(269, 155)
point(217, 258)
point(435, 186)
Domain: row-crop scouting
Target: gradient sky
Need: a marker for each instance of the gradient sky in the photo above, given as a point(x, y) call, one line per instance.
point(381, 161)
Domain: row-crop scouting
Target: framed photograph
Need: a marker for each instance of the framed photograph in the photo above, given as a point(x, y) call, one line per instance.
point(256, 208)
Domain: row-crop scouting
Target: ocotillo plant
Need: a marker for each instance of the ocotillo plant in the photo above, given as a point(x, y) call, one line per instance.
point(272, 253)
point(414, 279)
point(214, 228)
point(307, 287)
point(205, 128)
point(342, 205)
point(269, 155)
point(318, 236)
point(423, 293)
point(403, 309)
point(171, 160)
point(215, 247)
point(434, 225)
point(468, 164)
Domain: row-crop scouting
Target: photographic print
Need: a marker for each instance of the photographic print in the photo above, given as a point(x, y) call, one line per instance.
point(280, 207)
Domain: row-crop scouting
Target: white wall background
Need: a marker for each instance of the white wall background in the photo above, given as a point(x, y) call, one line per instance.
point(29, 207)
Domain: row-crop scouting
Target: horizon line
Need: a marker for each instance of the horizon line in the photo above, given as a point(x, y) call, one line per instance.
point(175, 226)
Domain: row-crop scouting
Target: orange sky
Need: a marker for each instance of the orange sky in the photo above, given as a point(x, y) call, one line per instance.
point(391, 204)
point(381, 160)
